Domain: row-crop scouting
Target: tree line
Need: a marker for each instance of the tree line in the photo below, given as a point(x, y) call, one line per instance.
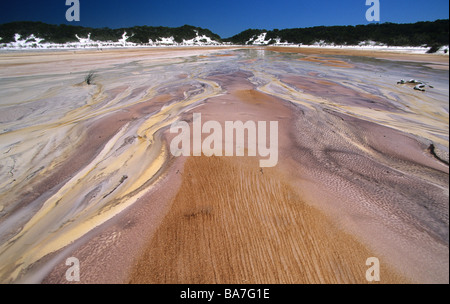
point(413, 34)
point(430, 33)
point(66, 33)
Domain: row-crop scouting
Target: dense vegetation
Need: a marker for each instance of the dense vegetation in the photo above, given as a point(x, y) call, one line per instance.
point(66, 33)
point(414, 34)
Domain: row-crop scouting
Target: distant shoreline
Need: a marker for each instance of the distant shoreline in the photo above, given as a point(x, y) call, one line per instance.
point(437, 61)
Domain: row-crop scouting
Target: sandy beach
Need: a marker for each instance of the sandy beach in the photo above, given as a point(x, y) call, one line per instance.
point(87, 172)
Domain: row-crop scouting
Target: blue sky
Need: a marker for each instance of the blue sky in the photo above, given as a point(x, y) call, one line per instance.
point(224, 17)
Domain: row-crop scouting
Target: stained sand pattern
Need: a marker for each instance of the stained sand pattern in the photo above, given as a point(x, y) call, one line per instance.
point(355, 178)
point(238, 235)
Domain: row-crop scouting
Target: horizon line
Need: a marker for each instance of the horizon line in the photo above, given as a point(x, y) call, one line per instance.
point(260, 29)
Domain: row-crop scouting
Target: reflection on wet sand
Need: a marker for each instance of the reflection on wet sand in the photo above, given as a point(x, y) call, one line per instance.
point(355, 177)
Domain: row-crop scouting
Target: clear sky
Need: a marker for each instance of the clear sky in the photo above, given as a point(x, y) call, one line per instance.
point(223, 17)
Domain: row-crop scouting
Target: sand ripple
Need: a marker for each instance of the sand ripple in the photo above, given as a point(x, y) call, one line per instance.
point(355, 178)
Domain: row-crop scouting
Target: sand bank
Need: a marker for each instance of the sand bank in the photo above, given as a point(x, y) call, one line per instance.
point(86, 170)
point(434, 60)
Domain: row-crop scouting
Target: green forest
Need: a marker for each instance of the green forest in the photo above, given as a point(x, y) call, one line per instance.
point(434, 33)
point(414, 34)
point(66, 33)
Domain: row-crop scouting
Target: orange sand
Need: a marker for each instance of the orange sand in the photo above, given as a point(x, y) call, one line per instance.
point(232, 223)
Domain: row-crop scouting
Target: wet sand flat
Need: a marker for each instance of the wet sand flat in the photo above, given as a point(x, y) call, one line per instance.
point(238, 236)
point(87, 170)
point(434, 61)
point(223, 226)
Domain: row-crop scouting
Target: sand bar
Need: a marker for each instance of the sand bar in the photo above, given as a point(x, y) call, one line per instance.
point(86, 169)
